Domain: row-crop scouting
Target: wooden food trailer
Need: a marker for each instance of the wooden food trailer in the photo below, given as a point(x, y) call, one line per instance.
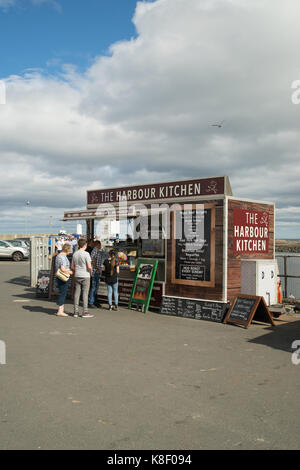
point(237, 241)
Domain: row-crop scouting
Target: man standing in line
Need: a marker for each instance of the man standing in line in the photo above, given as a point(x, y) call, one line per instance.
point(98, 257)
point(90, 246)
point(82, 267)
point(59, 245)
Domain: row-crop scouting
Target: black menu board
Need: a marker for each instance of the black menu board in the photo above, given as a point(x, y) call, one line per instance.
point(245, 308)
point(242, 309)
point(193, 246)
point(43, 282)
point(191, 308)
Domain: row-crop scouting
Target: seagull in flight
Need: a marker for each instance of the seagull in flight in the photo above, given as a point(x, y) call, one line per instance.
point(218, 125)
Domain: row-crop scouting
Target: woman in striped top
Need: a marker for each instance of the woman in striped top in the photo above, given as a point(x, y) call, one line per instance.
point(63, 263)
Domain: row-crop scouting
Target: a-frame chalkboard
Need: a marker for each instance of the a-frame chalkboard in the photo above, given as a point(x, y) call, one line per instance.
point(246, 308)
point(143, 283)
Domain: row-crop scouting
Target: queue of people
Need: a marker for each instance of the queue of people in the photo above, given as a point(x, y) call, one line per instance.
point(86, 266)
point(70, 240)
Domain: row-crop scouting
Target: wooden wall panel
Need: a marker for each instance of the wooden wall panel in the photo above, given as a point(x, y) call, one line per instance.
point(209, 293)
point(234, 261)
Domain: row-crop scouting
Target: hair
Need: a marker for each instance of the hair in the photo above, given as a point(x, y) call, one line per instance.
point(66, 248)
point(112, 256)
point(81, 242)
point(97, 243)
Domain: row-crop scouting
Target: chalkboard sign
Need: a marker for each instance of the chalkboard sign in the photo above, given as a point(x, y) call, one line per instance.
point(143, 283)
point(191, 308)
point(43, 283)
point(193, 246)
point(245, 308)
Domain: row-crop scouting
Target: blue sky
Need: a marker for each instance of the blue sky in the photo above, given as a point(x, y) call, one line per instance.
point(48, 34)
point(110, 93)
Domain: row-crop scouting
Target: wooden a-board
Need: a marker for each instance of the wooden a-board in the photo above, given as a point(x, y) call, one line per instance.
point(246, 308)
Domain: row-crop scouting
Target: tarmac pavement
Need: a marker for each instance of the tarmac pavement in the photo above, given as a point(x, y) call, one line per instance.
point(128, 380)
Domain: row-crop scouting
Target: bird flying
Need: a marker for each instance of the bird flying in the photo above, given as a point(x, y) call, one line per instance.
point(218, 125)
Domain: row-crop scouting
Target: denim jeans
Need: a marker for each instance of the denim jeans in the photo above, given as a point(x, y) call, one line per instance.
point(62, 291)
point(94, 288)
point(112, 288)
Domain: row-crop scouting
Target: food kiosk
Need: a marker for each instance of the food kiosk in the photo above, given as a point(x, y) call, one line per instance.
point(233, 231)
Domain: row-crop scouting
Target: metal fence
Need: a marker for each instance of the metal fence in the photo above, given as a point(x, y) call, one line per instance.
point(40, 256)
point(289, 273)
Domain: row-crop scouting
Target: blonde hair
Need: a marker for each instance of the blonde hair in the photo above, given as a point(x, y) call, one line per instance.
point(66, 248)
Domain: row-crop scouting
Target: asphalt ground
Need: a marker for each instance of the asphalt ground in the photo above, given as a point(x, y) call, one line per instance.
point(128, 380)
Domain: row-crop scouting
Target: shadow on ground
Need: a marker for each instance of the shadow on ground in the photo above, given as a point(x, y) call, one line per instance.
point(39, 309)
point(20, 281)
point(281, 337)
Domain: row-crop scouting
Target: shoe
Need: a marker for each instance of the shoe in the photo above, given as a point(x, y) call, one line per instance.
point(87, 315)
point(98, 305)
point(115, 307)
point(75, 315)
point(62, 314)
point(110, 307)
point(92, 306)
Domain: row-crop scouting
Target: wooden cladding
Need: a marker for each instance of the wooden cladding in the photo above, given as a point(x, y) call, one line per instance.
point(194, 289)
point(199, 289)
point(233, 256)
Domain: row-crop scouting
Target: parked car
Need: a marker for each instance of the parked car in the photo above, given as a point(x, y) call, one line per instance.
point(17, 253)
point(19, 243)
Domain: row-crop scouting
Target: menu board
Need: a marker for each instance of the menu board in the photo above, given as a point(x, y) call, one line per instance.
point(245, 308)
point(43, 282)
point(191, 308)
point(143, 283)
point(242, 309)
point(152, 247)
point(193, 247)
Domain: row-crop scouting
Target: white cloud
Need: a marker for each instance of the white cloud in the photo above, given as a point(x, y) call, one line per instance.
point(145, 112)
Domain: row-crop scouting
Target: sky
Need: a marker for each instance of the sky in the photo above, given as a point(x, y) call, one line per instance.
point(110, 93)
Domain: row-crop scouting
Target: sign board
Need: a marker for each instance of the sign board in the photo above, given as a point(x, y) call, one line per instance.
point(143, 283)
point(246, 308)
point(193, 257)
point(153, 247)
point(43, 283)
point(250, 232)
point(125, 289)
point(159, 191)
point(191, 308)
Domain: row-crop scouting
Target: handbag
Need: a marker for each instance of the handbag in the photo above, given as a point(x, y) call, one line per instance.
point(62, 276)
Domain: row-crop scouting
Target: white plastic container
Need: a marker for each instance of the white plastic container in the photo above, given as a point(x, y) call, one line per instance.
point(259, 277)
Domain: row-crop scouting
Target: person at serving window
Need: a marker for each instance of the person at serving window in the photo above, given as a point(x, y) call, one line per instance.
point(111, 271)
point(59, 244)
point(90, 246)
point(98, 257)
